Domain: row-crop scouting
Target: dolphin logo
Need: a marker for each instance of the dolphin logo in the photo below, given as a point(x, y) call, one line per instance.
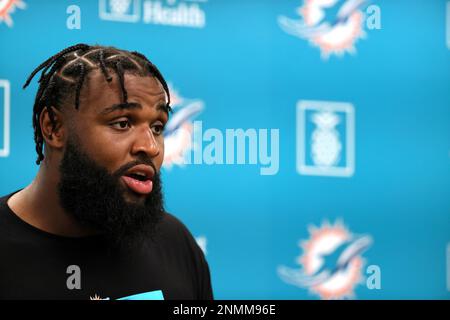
point(331, 262)
point(7, 7)
point(332, 25)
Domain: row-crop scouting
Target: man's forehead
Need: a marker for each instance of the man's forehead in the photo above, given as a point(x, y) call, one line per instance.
point(130, 106)
point(101, 93)
point(150, 83)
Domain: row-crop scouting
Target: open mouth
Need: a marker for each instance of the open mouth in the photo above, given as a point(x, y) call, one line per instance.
point(136, 176)
point(139, 179)
point(138, 184)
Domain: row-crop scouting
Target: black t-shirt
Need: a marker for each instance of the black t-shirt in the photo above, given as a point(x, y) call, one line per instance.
point(35, 264)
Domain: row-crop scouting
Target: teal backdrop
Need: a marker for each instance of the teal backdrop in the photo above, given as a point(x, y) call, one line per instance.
point(311, 127)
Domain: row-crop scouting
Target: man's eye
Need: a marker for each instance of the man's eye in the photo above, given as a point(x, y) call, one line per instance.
point(158, 129)
point(121, 125)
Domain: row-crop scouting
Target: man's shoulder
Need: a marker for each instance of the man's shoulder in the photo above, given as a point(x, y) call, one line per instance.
point(170, 224)
point(172, 220)
point(187, 247)
point(173, 230)
point(3, 201)
point(4, 197)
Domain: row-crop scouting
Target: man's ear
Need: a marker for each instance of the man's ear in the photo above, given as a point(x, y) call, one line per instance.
point(53, 132)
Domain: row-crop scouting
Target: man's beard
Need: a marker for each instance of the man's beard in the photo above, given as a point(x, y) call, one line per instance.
point(96, 199)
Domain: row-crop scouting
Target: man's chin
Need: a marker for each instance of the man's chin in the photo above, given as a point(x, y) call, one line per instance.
point(134, 198)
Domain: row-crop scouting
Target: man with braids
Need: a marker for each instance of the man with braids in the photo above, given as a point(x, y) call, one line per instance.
point(92, 223)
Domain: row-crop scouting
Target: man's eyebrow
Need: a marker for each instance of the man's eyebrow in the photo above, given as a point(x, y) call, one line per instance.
point(164, 107)
point(121, 106)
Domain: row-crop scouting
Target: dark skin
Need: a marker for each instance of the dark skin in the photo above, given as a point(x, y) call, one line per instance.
point(111, 139)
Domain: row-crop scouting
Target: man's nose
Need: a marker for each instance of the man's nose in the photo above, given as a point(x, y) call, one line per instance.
point(145, 142)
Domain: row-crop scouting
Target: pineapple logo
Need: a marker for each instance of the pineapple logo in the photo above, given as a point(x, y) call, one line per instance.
point(325, 138)
point(326, 147)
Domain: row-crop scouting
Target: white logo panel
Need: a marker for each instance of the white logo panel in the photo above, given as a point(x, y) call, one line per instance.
point(5, 105)
point(120, 10)
point(325, 138)
point(448, 25)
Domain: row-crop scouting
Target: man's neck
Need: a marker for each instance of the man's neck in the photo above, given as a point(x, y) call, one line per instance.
point(38, 205)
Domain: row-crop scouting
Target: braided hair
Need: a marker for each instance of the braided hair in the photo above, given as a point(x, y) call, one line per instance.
point(63, 75)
